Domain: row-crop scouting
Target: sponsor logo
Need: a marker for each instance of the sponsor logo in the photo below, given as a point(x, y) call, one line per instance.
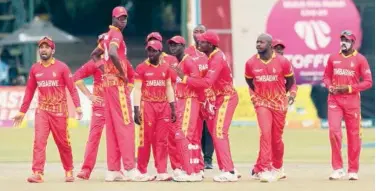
point(149, 74)
point(343, 72)
point(53, 74)
point(332, 106)
point(39, 75)
point(202, 67)
point(258, 70)
point(337, 62)
point(157, 83)
point(314, 33)
point(48, 83)
point(267, 78)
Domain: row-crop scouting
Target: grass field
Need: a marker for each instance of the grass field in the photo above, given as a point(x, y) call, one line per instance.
point(307, 156)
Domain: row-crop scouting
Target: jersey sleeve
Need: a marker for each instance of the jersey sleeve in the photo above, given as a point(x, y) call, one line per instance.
point(116, 38)
point(85, 71)
point(138, 75)
point(287, 68)
point(192, 68)
point(67, 75)
point(215, 68)
point(29, 92)
point(248, 69)
point(366, 75)
point(328, 73)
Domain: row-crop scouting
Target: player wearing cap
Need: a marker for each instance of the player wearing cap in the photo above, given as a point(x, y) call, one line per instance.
point(270, 77)
point(188, 108)
point(94, 69)
point(342, 77)
point(154, 110)
point(279, 47)
point(118, 110)
point(219, 77)
point(205, 98)
point(51, 77)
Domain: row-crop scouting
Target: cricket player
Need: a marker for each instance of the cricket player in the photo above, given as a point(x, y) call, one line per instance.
point(176, 164)
point(50, 76)
point(279, 47)
point(219, 77)
point(154, 110)
point(118, 111)
point(342, 77)
point(94, 69)
point(188, 107)
point(270, 77)
point(204, 96)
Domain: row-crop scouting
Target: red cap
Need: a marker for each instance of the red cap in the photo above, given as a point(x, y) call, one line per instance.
point(278, 42)
point(177, 40)
point(348, 34)
point(48, 41)
point(155, 35)
point(210, 37)
point(155, 44)
point(119, 11)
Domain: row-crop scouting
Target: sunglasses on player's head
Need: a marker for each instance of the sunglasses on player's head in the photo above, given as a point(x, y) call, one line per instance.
point(346, 32)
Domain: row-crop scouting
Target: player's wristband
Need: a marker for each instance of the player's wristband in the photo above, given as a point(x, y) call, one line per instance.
point(350, 89)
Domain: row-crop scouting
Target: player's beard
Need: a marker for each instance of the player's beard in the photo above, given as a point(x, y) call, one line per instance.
point(345, 46)
point(45, 56)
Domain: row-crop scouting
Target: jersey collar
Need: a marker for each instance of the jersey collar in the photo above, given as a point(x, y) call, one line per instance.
point(353, 54)
point(49, 62)
point(113, 27)
point(212, 53)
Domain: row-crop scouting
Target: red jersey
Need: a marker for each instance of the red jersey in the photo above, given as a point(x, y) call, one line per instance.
point(218, 77)
point(170, 61)
point(182, 90)
point(153, 80)
point(269, 80)
point(51, 82)
point(113, 36)
point(347, 70)
point(91, 68)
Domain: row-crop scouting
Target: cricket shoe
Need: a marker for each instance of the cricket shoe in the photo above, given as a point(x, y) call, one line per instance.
point(255, 175)
point(279, 173)
point(337, 174)
point(163, 177)
point(137, 176)
point(353, 176)
point(226, 177)
point(114, 176)
point(267, 176)
point(69, 176)
point(237, 173)
point(188, 178)
point(202, 173)
point(36, 178)
point(177, 172)
point(84, 174)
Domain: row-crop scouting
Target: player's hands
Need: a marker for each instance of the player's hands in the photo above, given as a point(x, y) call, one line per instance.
point(341, 89)
point(79, 113)
point(17, 120)
point(137, 116)
point(96, 99)
point(178, 71)
point(122, 77)
point(173, 112)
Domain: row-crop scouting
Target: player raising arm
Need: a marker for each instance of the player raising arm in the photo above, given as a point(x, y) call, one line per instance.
point(51, 77)
point(219, 77)
point(342, 77)
point(270, 77)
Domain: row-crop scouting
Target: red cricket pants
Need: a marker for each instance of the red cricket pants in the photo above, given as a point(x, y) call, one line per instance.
point(119, 128)
point(92, 144)
point(219, 127)
point(183, 147)
point(345, 107)
point(271, 123)
point(155, 124)
point(58, 125)
point(197, 141)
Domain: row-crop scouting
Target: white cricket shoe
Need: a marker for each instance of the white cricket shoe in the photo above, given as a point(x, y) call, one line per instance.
point(112, 176)
point(202, 173)
point(188, 178)
point(267, 176)
point(279, 173)
point(177, 172)
point(254, 175)
point(136, 176)
point(163, 177)
point(237, 173)
point(226, 177)
point(353, 176)
point(337, 174)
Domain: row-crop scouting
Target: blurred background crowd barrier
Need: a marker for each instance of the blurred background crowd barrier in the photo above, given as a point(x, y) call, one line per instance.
point(309, 28)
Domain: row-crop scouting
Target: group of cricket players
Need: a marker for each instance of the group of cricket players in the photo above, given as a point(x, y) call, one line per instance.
point(173, 94)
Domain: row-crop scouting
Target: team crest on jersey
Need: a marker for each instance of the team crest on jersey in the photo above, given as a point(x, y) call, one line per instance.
point(163, 74)
point(274, 71)
point(53, 74)
point(352, 64)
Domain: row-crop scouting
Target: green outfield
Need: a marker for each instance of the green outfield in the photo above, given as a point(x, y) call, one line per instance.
point(307, 164)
